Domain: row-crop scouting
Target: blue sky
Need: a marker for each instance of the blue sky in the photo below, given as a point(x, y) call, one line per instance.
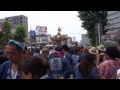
point(67, 20)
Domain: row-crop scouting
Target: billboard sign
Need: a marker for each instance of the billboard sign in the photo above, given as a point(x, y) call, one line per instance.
point(41, 30)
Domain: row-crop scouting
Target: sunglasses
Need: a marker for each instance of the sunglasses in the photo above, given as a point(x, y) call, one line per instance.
point(16, 43)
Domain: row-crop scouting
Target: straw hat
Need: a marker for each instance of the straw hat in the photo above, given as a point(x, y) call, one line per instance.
point(101, 48)
point(93, 50)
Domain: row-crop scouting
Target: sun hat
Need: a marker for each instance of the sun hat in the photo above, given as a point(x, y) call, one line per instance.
point(101, 48)
point(93, 50)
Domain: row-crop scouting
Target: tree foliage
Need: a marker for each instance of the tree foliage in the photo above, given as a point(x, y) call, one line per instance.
point(20, 33)
point(1, 40)
point(6, 31)
point(1, 36)
point(89, 20)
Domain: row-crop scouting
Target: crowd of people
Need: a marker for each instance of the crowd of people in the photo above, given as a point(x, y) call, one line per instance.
point(60, 62)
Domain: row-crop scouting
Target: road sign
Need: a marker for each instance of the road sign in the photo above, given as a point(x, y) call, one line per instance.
point(32, 33)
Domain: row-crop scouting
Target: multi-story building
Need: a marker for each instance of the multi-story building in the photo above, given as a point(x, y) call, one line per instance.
point(85, 40)
point(44, 39)
point(39, 39)
point(2, 20)
point(113, 26)
point(49, 40)
point(69, 41)
point(17, 20)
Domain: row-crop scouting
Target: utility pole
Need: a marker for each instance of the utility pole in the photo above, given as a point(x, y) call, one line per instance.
point(96, 37)
point(35, 38)
point(30, 32)
point(99, 32)
point(30, 39)
point(39, 40)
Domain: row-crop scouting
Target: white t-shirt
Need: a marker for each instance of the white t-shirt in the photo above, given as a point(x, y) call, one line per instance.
point(118, 72)
point(45, 76)
point(40, 51)
point(13, 74)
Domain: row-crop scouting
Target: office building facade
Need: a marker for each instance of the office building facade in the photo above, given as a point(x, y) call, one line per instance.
point(17, 20)
point(85, 40)
point(113, 26)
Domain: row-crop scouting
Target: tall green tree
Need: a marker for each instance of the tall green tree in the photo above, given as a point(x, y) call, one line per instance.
point(1, 39)
point(1, 36)
point(20, 33)
point(6, 31)
point(89, 20)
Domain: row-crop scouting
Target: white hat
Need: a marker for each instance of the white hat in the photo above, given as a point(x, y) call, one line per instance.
point(101, 48)
point(93, 50)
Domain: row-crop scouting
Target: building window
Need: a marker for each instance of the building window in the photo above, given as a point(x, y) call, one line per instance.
point(15, 22)
point(21, 22)
point(20, 18)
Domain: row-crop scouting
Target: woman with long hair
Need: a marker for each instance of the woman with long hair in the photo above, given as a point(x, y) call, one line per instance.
point(86, 69)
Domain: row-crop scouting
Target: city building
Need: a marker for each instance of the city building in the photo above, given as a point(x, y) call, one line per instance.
point(38, 40)
point(17, 20)
point(69, 41)
point(2, 20)
point(113, 26)
point(84, 40)
point(42, 40)
point(49, 40)
point(39, 37)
